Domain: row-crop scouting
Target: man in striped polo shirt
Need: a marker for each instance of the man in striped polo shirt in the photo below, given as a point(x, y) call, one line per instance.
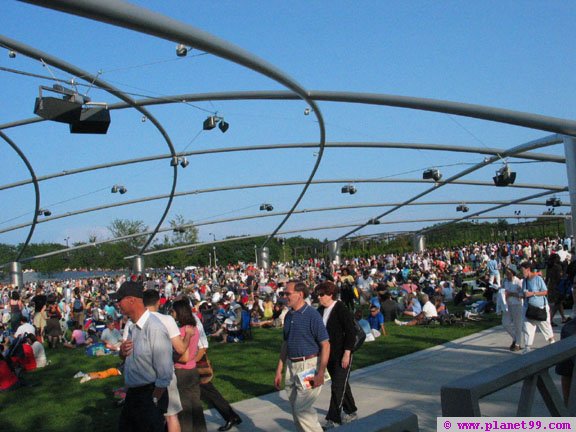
point(305, 346)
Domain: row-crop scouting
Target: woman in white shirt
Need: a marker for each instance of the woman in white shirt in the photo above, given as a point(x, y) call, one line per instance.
point(513, 314)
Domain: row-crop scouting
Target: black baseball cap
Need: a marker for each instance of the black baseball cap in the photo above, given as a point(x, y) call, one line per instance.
point(128, 289)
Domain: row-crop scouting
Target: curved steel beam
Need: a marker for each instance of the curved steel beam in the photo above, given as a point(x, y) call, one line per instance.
point(510, 152)
point(473, 215)
point(300, 230)
point(36, 192)
point(158, 251)
point(408, 146)
point(551, 188)
point(257, 216)
point(482, 112)
point(144, 21)
point(62, 65)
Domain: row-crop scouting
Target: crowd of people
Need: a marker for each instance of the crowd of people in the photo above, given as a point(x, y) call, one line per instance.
point(160, 323)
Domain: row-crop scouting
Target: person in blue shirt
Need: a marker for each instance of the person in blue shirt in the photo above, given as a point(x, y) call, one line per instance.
point(535, 292)
point(376, 320)
point(306, 346)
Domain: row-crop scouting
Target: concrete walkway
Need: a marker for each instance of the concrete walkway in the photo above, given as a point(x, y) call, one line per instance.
point(410, 383)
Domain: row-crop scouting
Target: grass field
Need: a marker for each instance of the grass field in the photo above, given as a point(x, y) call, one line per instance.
point(56, 402)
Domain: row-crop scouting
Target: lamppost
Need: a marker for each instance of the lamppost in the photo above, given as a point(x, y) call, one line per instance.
point(213, 236)
point(210, 259)
point(215, 259)
point(256, 255)
point(66, 240)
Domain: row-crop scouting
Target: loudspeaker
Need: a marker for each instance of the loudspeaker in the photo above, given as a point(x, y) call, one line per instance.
point(59, 110)
point(92, 121)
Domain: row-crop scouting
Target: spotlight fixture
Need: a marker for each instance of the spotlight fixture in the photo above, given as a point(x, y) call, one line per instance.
point(118, 188)
point(184, 162)
point(374, 221)
point(432, 174)
point(44, 212)
point(349, 189)
point(223, 126)
point(211, 122)
point(266, 207)
point(553, 202)
point(307, 111)
point(517, 212)
point(143, 119)
point(462, 208)
point(181, 50)
point(12, 54)
point(504, 177)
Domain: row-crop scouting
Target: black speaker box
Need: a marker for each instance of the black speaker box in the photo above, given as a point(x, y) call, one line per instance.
point(58, 110)
point(92, 121)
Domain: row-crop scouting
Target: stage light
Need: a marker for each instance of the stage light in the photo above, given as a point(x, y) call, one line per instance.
point(223, 126)
point(12, 54)
point(432, 174)
point(374, 221)
point(184, 162)
point(44, 212)
point(266, 207)
point(213, 120)
point(553, 202)
point(349, 189)
point(210, 123)
point(307, 111)
point(181, 50)
point(504, 177)
point(463, 208)
point(118, 188)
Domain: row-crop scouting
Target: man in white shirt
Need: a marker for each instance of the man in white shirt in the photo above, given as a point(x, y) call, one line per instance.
point(24, 327)
point(428, 312)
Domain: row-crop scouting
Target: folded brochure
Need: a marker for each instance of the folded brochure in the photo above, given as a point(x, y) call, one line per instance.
point(305, 379)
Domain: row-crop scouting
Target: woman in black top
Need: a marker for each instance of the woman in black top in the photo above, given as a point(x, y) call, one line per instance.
point(340, 325)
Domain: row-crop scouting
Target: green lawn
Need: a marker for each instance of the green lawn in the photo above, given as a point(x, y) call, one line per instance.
point(57, 402)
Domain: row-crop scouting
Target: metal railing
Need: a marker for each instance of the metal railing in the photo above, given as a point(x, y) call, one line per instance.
point(461, 398)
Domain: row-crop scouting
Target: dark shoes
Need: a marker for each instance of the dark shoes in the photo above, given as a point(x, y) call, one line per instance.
point(235, 421)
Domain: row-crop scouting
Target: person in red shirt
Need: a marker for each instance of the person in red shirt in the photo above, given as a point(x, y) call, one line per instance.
point(8, 378)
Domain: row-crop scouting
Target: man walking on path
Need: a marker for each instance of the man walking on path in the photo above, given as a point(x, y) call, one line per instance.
point(305, 347)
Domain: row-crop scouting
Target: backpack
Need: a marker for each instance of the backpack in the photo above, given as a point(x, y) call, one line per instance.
point(77, 306)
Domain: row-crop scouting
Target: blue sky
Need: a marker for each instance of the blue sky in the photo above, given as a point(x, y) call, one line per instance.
point(506, 54)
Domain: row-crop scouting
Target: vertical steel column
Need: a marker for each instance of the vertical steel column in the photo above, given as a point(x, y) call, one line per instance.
point(138, 265)
point(334, 252)
point(16, 275)
point(570, 152)
point(264, 258)
point(419, 243)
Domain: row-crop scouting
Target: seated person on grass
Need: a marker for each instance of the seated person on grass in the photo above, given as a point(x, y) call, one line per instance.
point(38, 350)
point(413, 307)
point(78, 338)
point(428, 313)
point(376, 320)
point(111, 336)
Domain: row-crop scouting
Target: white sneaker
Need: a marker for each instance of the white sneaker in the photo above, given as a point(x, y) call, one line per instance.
point(398, 322)
point(329, 425)
point(85, 378)
point(79, 374)
point(348, 418)
point(551, 341)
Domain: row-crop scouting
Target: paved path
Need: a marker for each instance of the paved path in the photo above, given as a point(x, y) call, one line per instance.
point(409, 383)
